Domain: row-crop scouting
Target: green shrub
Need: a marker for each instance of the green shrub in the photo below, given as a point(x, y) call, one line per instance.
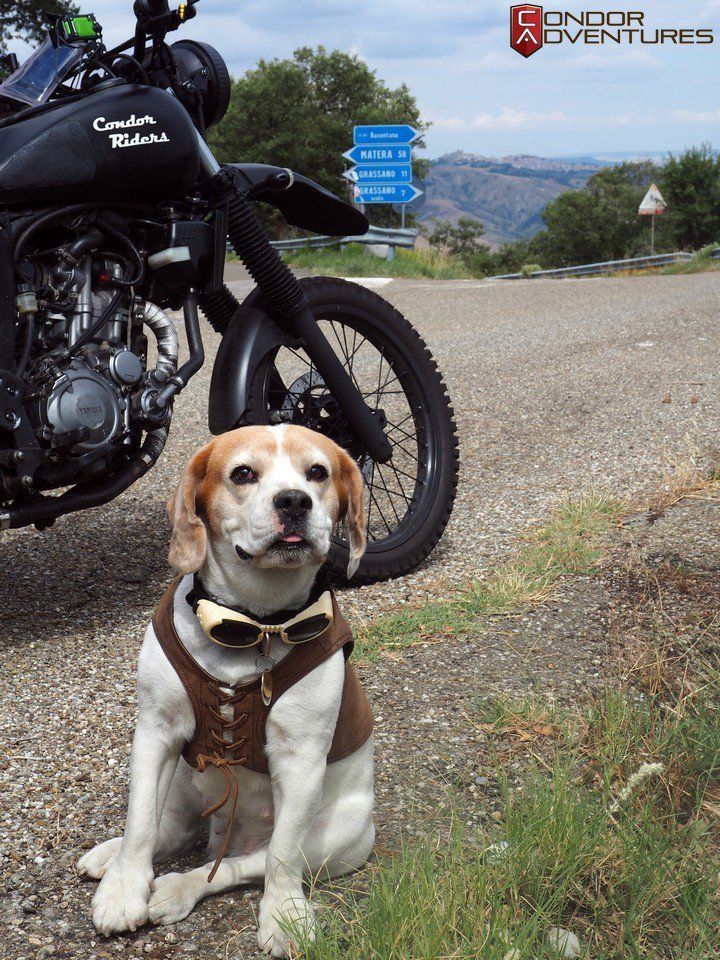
point(528, 269)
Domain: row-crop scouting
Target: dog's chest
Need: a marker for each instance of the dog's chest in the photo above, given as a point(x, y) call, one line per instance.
point(253, 818)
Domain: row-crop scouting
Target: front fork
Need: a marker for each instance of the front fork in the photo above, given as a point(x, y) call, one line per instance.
point(288, 302)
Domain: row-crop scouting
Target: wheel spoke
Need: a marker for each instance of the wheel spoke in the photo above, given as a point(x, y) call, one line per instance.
point(391, 380)
point(398, 446)
point(385, 489)
point(403, 474)
point(385, 393)
point(382, 515)
point(404, 420)
point(399, 482)
point(348, 364)
point(393, 427)
point(377, 393)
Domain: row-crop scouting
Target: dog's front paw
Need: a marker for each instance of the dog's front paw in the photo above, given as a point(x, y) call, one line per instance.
point(95, 862)
point(121, 900)
point(173, 898)
point(286, 921)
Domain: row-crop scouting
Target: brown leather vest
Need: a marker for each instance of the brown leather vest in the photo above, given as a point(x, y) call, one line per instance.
point(244, 741)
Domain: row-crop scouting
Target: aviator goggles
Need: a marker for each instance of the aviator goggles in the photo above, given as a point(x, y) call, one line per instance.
point(238, 631)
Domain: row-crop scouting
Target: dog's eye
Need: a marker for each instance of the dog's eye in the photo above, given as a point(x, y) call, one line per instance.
point(317, 472)
point(242, 475)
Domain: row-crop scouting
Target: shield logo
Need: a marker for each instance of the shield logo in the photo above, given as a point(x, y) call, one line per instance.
point(526, 28)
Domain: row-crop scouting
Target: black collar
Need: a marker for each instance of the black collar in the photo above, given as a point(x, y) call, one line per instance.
point(198, 593)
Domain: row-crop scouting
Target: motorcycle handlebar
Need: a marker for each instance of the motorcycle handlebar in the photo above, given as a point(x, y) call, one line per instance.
point(153, 8)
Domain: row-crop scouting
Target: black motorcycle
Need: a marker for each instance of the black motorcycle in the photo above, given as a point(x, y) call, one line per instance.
point(114, 211)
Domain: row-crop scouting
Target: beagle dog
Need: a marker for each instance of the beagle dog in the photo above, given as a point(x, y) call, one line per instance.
point(252, 521)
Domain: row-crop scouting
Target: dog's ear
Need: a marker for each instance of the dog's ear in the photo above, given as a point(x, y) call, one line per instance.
point(349, 486)
point(189, 536)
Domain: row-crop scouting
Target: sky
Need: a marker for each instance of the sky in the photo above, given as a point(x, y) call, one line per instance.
point(479, 94)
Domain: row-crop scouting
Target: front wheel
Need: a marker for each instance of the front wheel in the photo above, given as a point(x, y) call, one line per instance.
point(409, 499)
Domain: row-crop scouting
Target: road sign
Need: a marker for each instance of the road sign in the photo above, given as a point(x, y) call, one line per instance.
point(382, 154)
point(417, 203)
point(385, 133)
point(389, 173)
point(385, 193)
point(653, 203)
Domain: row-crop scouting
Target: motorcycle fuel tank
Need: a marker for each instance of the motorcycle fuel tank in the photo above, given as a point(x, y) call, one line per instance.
point(126, 142)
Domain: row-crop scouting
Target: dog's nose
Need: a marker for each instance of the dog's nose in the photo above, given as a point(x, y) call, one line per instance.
point(292, 503)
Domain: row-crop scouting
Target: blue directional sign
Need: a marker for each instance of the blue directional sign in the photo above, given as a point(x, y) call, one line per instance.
point(390, 173)
point(385, 133)
point(390, 154)
point(385, 193)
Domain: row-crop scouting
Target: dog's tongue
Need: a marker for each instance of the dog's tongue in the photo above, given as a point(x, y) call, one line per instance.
point(291, 538)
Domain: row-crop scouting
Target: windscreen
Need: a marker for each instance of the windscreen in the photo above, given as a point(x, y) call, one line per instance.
point(39, 76)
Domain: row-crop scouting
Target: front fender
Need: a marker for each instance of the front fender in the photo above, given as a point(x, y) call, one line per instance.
point(304, 203)
point(251, 335)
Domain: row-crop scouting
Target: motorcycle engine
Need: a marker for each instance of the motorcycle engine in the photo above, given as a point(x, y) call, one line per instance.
point(86, 380)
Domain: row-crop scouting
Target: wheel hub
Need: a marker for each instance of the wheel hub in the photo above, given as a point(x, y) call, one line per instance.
point(309, 403)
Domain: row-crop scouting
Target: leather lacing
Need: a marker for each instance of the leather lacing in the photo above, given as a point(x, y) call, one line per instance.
point(223, 762)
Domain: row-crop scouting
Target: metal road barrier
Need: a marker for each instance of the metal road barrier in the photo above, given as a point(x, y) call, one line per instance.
point(609, 266)
point(393, 238)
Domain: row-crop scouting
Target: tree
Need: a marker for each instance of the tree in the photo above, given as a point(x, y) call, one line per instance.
point(24, 18)
point(690, 186)
point(599, 222)
point(460, 239)
point(300, 112)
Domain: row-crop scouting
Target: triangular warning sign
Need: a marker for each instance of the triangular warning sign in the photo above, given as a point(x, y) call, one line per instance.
point(653, 202)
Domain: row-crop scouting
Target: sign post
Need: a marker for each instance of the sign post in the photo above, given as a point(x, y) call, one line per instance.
point(382, 155)
point(652, 206)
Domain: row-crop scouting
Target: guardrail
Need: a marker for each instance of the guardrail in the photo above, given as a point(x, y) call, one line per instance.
point(375, 235)
point(608, 266)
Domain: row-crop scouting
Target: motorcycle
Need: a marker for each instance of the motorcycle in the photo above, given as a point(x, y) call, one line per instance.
point(113, 213)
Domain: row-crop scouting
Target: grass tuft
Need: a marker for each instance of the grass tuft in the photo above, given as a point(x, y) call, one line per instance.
point(570, 544)
point(683, 478)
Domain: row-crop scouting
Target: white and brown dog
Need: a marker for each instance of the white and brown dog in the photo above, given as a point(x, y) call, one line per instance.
point(252, 519)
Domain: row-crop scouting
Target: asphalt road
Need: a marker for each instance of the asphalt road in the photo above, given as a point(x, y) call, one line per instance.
point(558, 386)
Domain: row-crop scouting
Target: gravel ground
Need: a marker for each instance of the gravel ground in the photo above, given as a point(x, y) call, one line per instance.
point(558, 386)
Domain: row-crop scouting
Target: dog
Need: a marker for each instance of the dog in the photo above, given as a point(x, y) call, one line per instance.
point(252, 521)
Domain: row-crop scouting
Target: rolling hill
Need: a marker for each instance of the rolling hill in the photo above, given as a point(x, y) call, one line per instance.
point(506, 194)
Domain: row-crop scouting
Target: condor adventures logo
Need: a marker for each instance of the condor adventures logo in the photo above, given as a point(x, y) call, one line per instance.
point(532, 27)
point(526, 28)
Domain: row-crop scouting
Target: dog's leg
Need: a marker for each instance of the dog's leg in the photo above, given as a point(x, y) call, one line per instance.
point(181, 816)
point(179, 828)
point(176, 894)
point(297, 790)
point(120, 902)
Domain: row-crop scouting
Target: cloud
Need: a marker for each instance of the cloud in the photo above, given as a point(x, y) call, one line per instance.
point(510, 119)
point(493, 62)
point(611, 61)
point(696, 116)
